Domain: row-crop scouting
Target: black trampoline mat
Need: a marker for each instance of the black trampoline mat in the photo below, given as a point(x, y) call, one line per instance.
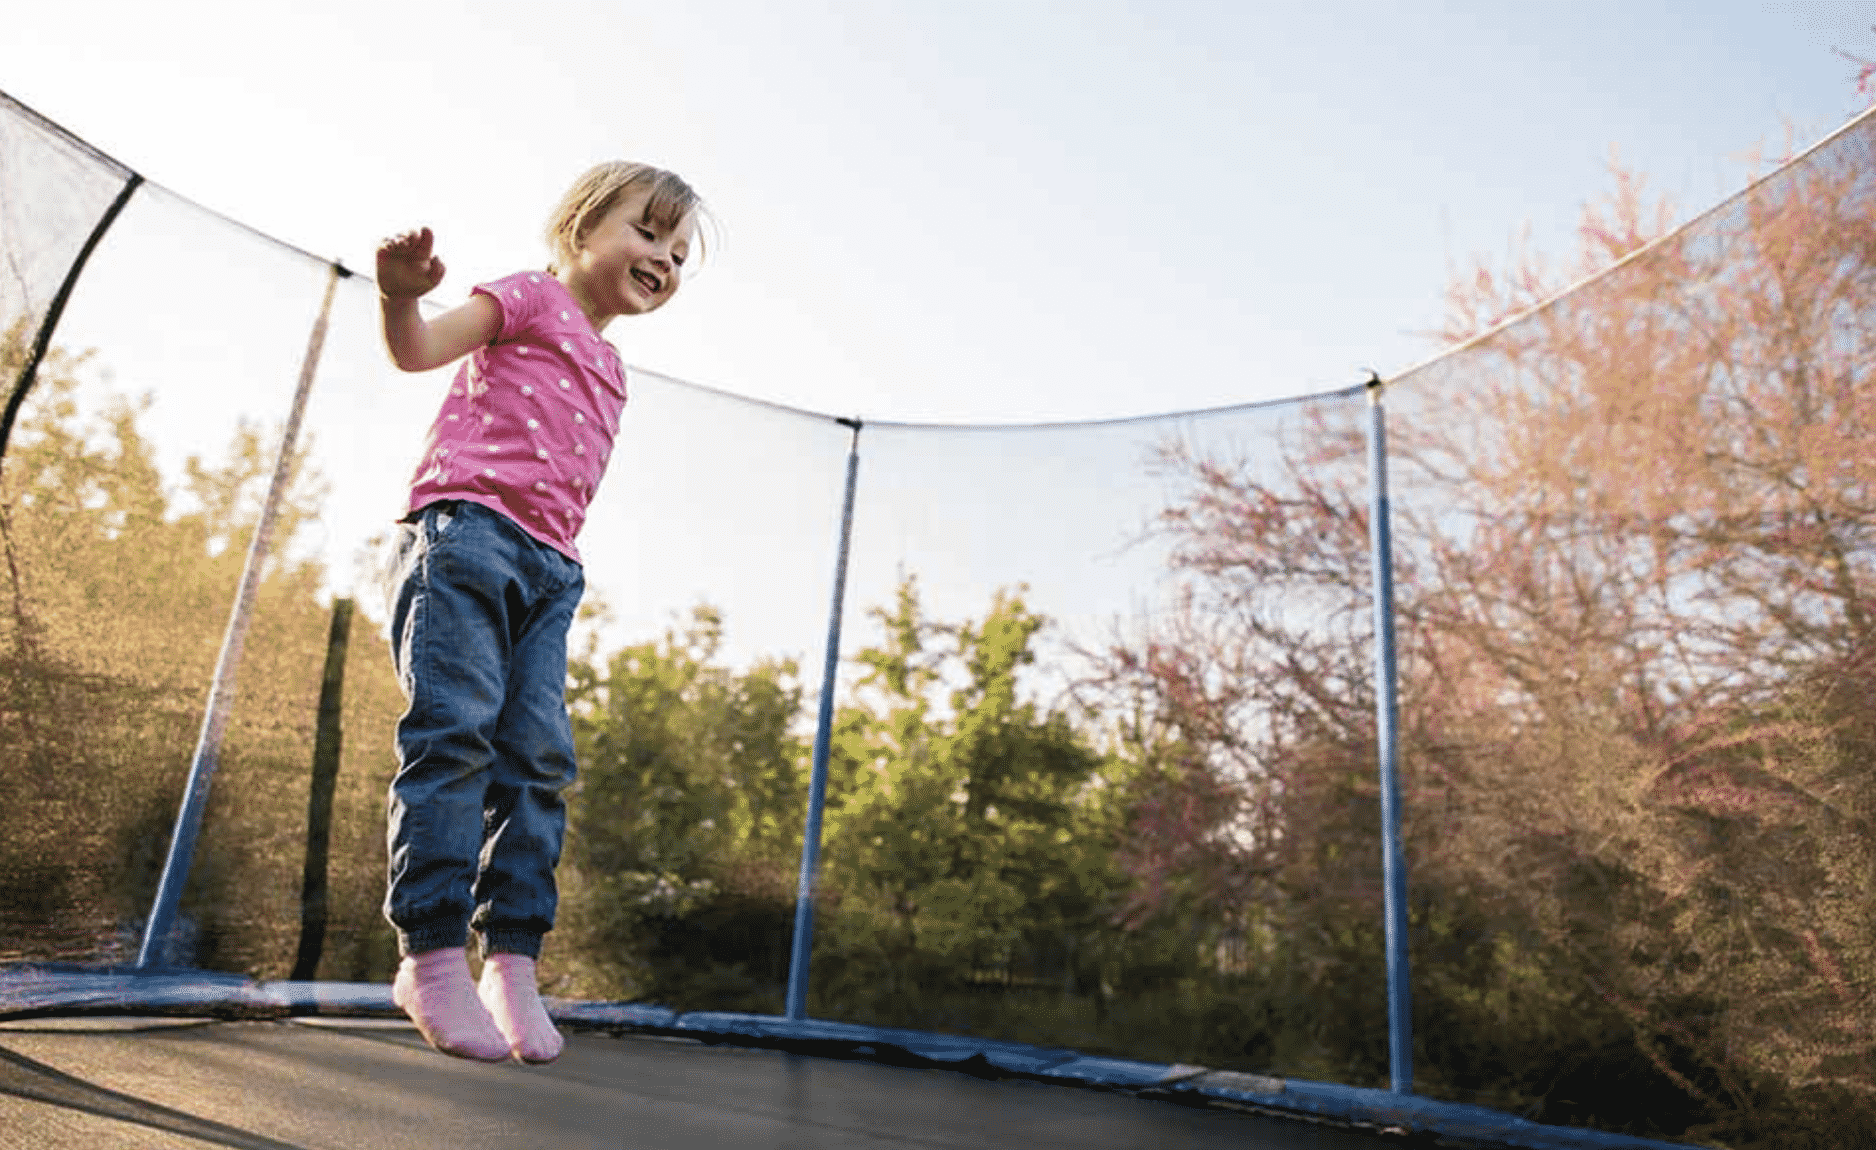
point(158, 1084)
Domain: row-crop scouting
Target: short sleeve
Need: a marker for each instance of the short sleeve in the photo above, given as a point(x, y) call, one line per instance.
point(521, 297)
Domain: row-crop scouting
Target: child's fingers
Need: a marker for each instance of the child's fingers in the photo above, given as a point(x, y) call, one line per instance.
point(414, 244)
point(406, 265)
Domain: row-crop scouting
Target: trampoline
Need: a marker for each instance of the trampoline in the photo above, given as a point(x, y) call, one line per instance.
point(1102, 528)
point(138, 1058)
point(154, 1084)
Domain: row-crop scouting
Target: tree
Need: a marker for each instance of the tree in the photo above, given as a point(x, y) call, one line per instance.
point(684, 825)
point(117, 606)
point(969, 834)
point(1634, 564)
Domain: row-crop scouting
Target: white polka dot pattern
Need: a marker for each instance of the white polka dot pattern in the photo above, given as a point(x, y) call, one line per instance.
point(530, 404)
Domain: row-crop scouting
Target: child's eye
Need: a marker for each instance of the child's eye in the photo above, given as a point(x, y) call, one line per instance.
point(677, 260)
point(645, 233)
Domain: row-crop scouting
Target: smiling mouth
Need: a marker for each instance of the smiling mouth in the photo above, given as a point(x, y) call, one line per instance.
point(647, 281)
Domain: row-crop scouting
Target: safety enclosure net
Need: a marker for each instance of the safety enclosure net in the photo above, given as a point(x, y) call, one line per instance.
point(1104, 753)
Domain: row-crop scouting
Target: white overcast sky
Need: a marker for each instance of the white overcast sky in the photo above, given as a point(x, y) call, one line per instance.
point(962, 210)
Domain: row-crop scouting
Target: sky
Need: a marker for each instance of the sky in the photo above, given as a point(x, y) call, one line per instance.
point(964, 212)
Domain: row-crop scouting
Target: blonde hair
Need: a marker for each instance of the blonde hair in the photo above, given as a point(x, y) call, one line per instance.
point(603, 186)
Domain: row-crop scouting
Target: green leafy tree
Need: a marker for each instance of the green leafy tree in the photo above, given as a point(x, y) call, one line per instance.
point(117, 608)
point(684, 825)
point(969, 834)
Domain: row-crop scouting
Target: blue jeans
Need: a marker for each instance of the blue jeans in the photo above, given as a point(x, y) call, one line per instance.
point(479, 639)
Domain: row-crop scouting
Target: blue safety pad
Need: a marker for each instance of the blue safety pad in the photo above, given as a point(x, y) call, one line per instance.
point(61, 989)
point(1117, 1072)
point(636, 1015)
point(1384, 1108)
point(882, 1043)
point(27, 990)
point(1454, 1119)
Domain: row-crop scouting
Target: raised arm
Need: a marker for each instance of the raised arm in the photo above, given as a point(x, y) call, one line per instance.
point(407, 268)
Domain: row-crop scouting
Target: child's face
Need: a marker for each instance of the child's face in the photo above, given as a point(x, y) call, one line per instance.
point(627, 266)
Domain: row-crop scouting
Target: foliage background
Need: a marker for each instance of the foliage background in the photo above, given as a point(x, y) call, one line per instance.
point(1634, 549)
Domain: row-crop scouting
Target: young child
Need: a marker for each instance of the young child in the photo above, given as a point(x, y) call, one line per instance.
point(486, 581)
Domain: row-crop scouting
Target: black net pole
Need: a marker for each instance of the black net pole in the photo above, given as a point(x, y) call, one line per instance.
point(43, 340)
point(328, 744)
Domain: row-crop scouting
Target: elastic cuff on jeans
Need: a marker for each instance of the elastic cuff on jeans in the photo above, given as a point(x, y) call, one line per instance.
point(526, 943)
point(427, 938)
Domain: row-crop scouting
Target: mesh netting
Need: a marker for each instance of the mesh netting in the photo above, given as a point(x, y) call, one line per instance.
point(54, 191)
point(1636, 534)
point(1103, 761)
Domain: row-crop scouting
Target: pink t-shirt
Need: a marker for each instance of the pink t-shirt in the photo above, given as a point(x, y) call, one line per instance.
point(528, 424)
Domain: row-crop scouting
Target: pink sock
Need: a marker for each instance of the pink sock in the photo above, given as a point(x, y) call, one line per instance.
point(435, 989)
point(508, 988)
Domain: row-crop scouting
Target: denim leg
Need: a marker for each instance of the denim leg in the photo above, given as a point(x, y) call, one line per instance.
point(449, 647)
point(485, 747)
point(526, 817)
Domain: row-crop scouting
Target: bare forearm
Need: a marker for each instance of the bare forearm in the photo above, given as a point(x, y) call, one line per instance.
point(408, 267)
point(406, 335)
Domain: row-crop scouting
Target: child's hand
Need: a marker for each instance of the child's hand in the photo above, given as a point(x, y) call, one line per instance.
point(406, 269)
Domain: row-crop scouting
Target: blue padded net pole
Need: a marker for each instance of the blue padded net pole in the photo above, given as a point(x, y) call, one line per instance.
point(1387, 716)
point(221, 690)
point(823, 736)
